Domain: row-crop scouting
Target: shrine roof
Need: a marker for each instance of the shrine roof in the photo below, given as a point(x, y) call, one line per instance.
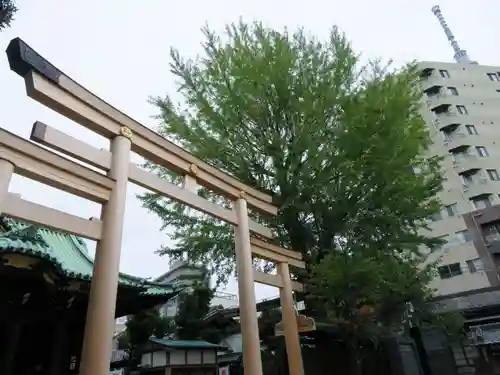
point(67, 253)
point(186, 344)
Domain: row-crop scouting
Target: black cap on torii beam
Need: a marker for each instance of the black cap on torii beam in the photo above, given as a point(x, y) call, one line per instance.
point(23, 59)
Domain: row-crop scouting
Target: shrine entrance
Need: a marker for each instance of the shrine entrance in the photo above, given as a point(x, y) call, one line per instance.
point(51, 87)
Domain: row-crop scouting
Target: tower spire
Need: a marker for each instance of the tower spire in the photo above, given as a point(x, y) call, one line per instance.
point(460, 55)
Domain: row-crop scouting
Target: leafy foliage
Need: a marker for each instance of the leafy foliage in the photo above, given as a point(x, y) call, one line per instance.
point(143, 325)
point(267, 322)
point(337, 143)
point(193, 305)
point(7, 10)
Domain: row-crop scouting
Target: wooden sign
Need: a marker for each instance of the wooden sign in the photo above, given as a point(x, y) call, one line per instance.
point(304, 324)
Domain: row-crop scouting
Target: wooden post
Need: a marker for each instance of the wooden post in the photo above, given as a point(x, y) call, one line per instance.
point(96, 352)
point(12, 342)
point(292, 340)
point(6, 171)
point(248, 310)
point(59, 349)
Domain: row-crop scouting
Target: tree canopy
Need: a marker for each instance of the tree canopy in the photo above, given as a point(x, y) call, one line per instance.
point(340, 145)
point(7, 10)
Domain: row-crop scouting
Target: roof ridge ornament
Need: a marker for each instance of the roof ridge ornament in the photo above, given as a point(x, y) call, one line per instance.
point(28, 233)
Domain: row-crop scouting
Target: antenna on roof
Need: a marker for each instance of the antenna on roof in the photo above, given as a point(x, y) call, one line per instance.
point(460, 55)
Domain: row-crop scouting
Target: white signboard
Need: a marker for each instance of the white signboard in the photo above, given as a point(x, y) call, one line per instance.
point(118, 372)
point(121, 320)
point(224, 370)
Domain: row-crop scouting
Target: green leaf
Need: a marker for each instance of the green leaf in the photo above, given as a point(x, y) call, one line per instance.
point(7, 10)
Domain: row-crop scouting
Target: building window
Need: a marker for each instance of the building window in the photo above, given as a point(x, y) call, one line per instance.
point(450, 270)
point(451, 210)
point(444, 73)
point(493, 173)
point(468, 178)
point(481, 151)
point(493, 76)
point(463, 236)
point(462, 110)
point(475, 265)
point(482, 202)
point(471, 129)
point(452, 91)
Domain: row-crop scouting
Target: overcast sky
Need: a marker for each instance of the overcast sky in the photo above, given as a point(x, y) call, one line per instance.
point(119, 49)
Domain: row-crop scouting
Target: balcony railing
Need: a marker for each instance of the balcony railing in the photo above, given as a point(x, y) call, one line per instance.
point(463, 161)
point(493, 242)
point(475, 182)
point(226, 295)
point(454, 136)
point(492, 237)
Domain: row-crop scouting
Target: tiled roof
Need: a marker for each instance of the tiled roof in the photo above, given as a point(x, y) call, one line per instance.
point(66, 252)
point(186, 344)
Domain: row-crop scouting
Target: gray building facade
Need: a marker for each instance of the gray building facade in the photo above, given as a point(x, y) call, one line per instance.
point(462, 110)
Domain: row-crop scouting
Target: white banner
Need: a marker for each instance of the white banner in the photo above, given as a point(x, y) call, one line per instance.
point(224, 370)
point(118, 372)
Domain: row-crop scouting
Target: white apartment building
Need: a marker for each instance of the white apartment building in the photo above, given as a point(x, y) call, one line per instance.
point(462, 110)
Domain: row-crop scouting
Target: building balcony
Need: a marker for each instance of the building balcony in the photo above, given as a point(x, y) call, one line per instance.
point(468, 163)
point(446, 119)
point(479, 187)
point(430, 79)
point(457, 140)
point(439, 100)
point(492, 241)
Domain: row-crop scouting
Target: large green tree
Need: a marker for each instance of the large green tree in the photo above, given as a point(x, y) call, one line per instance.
point(7, 10)
point(338, 143)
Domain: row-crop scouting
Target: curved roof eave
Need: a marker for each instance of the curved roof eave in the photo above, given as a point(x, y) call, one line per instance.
point(67, 253)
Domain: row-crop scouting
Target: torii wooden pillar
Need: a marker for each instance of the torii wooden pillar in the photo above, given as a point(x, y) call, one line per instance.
point(49, 86)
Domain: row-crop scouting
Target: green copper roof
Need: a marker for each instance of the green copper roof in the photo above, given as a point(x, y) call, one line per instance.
point(66, 252)
point(186, 344)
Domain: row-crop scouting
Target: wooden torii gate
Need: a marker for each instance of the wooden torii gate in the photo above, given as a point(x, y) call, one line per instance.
point(49, 86)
